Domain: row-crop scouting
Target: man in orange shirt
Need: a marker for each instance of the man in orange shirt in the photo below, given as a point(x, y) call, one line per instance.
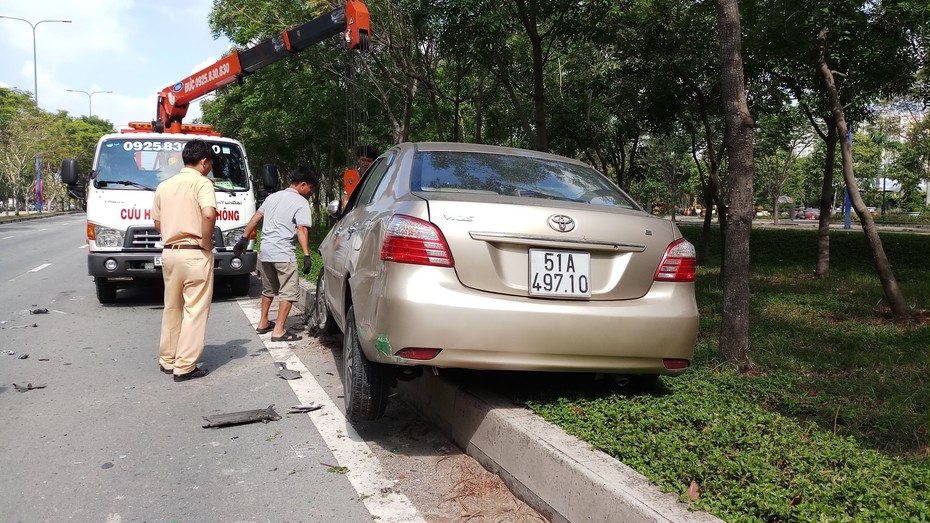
point(185, 214)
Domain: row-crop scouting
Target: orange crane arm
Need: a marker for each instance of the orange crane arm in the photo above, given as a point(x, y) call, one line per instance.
point(352, 21)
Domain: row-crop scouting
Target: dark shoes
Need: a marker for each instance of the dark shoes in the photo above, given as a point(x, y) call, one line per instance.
point(166, 371)
point(198, 373)
point(267, 329)
point(288, 336)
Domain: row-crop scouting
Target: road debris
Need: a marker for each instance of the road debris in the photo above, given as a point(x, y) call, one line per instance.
point(239, 418)
point(39, 311)
point(27, 387)
point(285, 372)
point(23, 356)
point(300, 409)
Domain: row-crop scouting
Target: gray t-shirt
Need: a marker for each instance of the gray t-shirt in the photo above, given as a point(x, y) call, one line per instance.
point(282, 212)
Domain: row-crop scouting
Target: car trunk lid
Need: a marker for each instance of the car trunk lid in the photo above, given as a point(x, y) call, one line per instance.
point(594, 252)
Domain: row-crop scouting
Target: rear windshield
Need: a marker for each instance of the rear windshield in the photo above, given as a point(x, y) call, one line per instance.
point(148, 162)
point(515, 176)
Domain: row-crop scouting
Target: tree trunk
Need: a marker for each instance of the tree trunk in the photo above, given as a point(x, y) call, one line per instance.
point(734, 331)
point(893, 294)
point(826, 203)
point(528, 19)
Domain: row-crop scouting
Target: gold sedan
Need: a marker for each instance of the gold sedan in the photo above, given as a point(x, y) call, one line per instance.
point(456, 255)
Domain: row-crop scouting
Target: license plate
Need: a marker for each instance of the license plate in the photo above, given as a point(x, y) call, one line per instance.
point(158, 261)
point(560, 273)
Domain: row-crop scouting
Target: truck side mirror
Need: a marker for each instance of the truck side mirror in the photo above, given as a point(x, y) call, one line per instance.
point(69, 171)
point(270, 177)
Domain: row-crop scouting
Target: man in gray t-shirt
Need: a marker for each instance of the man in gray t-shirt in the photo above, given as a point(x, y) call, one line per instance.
point(285, 215)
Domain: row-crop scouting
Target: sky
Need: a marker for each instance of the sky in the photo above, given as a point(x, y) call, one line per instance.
point(134, 48)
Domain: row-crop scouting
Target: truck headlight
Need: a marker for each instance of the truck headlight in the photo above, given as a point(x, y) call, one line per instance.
point(231, 237)
point(107, 237)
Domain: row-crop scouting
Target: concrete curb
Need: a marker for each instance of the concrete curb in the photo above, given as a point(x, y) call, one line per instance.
point(555, 473)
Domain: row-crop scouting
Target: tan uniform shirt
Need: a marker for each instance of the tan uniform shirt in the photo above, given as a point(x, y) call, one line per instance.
point(179, 204)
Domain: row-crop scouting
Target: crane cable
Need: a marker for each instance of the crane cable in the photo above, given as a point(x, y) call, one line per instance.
point(356, 86)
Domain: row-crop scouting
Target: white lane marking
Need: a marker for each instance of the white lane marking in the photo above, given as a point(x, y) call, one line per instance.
point(40, 267)
point(7, 237)
point(349, 449)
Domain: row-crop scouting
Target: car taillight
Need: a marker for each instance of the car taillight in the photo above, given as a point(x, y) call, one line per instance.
point(412, 240)
point(678, 262)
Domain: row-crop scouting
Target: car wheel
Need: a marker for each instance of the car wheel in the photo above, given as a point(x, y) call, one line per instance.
point(365, 383)
point(106, 291)
point(239, 285)
point(321, 320)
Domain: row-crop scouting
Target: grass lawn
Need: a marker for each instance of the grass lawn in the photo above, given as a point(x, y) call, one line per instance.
point(833, 424)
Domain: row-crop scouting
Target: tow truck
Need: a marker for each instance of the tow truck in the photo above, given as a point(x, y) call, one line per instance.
point(123, 245)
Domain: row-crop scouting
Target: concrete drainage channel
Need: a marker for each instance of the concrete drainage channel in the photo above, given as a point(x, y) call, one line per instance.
point(558, 475)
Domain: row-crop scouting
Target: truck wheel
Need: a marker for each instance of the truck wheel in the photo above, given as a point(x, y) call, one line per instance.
point(365, 383)
point(321, 320)
point(240, 284)
point(106, 291)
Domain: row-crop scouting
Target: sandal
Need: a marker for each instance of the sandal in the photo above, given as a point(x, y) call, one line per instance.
point(267, 329)
point(288, 336)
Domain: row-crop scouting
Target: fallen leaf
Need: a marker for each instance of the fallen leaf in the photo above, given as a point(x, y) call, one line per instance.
point(794, 501)
point(694, 491)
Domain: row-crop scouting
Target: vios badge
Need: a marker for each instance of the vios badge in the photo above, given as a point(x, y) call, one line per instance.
point(561, 223)
point(177, 87)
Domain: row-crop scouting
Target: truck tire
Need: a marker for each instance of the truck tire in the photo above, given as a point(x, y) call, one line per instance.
point(321, 321)
point(239, 285)
point(365, 383)
point(106, 291)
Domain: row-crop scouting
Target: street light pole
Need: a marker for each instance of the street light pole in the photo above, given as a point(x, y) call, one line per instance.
point(90, 108)
point(35, 77)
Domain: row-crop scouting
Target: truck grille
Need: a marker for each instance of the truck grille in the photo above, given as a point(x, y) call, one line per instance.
point(143, 237)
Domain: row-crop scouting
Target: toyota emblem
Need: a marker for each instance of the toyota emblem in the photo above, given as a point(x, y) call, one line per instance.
point(561, 223)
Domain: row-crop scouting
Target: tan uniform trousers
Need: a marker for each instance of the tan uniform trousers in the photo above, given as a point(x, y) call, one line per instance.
point(188, 275)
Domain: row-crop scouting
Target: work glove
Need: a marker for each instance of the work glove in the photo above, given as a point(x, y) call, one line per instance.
point(240, 246)
point(308, 264)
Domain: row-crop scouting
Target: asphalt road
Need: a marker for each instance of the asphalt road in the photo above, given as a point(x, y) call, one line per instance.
point(109, 438)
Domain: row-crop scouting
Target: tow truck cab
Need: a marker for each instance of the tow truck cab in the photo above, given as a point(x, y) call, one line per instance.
point(123, 245)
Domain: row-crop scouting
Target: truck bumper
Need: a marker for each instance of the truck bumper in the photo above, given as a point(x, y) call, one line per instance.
point(142, 264)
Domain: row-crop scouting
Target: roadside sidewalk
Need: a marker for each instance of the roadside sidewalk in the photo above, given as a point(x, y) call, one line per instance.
point(555, 473)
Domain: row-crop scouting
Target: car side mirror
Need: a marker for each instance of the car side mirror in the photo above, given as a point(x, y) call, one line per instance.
point(332, 209)
point(270, 177)
point(69, 171)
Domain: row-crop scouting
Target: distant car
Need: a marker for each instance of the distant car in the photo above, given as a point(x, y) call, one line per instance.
point(468, 256)
point(810, 213)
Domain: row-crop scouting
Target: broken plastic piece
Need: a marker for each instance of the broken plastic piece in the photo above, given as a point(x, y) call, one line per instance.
point(27, 387)
point(289, 374)
point(301, 409)
point(239, 418)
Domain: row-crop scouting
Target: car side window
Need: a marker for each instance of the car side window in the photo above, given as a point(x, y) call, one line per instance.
point(372, 181)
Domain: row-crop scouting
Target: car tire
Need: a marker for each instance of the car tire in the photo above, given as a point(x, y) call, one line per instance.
point(321, 321)
point(365, 383)
point(106, 291)
point(239, 284)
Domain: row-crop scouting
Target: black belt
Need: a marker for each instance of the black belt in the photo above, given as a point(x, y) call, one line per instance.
point(183, 246)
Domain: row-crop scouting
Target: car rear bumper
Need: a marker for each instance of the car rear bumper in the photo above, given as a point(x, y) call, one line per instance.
point(427, 307)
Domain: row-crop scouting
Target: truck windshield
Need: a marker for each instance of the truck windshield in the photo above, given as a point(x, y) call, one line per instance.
point(137, 164)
